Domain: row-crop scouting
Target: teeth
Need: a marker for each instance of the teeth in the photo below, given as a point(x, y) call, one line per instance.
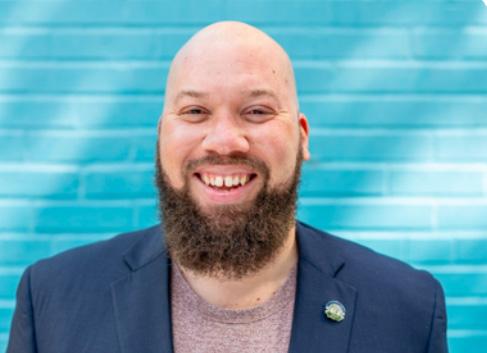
point(219, 181)
point(206, 179)
point(243, 180)
point(227, 181)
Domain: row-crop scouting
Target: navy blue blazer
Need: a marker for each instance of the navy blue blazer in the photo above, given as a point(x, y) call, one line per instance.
point(113, 296)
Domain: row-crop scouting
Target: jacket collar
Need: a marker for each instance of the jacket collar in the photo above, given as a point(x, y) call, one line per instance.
point(142, 299)
point(320, 263)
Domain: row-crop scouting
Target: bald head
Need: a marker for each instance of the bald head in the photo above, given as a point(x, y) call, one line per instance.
point(223, 51)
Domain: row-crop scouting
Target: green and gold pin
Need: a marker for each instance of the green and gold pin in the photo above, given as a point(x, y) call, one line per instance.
point(335, 311)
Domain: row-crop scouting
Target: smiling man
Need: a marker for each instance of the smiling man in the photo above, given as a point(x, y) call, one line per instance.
point(230, 269)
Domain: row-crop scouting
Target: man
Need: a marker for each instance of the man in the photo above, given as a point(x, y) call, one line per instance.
point(235, 271)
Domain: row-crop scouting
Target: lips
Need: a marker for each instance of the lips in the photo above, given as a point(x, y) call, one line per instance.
point(224, 182)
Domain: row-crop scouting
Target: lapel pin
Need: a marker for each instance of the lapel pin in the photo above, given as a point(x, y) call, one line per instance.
point(335, 311)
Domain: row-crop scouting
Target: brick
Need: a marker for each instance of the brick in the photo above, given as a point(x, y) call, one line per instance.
point(9, 285)
point(335, 43)
point(105, 12)
point(16, 217)
point(148, 78)
point(23, 252)
point(417, 12)
point(467, 341)
point(82, 78)
point(398, 112)
point(463, 316)
point(11, 149)
point(61, 245)
point(462, 217)
point(145, 148)
point(93, 44)
point(471, 251)
point(376, 147)
point(366, 217)
point(315, 77)
point(429, 252)
point(347, 182)
point(157, 44)
point(19, 115)
point(67, 147)
point(5, 318)
point(390, 247)
point(470, 146)
point(81, 112)
point(84, 219)
point(46, 184)
point(147, 215)
point(411, 183)
point(120, 184)
point(450, 44)
point(278, 11)
point(463, 283)
point(3, 341)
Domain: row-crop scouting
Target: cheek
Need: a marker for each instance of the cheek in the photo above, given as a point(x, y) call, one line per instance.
point(278, 150)
point(176, 143)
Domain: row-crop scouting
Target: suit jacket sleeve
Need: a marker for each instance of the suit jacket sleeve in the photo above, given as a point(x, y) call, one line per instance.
point(438, 341)
point(22, 333)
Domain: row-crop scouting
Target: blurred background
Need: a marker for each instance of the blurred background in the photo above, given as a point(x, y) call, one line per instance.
point(396, 93)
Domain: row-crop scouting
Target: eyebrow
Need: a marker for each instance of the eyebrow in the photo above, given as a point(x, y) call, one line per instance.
point(190, 93)
point(263, 92)
point(256, 93)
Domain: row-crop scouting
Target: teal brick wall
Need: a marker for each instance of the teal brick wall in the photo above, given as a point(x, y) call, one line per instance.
point(395, 91)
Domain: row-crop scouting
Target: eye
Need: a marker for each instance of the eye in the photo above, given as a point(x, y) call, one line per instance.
point(193, 113)
point(258, 113)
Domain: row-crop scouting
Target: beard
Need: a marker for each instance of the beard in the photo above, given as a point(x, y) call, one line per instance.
point(230, 241)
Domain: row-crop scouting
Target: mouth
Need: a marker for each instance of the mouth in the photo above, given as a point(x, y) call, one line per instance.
point(225, 185)
point(225, 182)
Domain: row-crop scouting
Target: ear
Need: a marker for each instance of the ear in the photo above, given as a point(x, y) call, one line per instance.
point(304, 131)
point(159, 125)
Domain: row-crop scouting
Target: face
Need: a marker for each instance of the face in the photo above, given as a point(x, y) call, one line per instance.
point(230, 127)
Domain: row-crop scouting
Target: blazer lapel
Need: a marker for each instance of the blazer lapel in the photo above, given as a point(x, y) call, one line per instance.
point(312, 331)
point(141, 300)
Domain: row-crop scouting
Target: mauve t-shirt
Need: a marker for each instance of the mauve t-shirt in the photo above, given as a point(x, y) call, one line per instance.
point(200, 327)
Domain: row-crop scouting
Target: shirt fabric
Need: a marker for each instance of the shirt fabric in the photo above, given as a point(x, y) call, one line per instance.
point(200, 327)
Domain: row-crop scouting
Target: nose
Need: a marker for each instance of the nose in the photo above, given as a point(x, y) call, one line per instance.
point(225, 136)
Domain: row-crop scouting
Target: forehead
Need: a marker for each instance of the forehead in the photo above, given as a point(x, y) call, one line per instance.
point(229, 66)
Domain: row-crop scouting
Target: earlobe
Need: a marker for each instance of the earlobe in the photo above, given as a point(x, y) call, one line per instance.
point(304, 138)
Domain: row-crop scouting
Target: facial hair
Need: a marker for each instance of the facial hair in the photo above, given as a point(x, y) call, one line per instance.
point(231, 241)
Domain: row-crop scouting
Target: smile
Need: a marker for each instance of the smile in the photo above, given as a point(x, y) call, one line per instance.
point(225, 181)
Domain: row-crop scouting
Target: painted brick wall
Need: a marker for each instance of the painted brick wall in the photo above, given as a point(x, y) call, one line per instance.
point(396, 92)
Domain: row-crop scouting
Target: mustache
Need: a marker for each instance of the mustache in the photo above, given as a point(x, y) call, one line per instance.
point(251, 162)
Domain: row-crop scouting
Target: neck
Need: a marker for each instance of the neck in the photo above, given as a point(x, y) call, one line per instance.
point(251, 290)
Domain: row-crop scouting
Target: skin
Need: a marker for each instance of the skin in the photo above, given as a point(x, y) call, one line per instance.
point(231, 92)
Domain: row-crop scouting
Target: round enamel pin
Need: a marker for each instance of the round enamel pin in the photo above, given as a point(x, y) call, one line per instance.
point(335, 311)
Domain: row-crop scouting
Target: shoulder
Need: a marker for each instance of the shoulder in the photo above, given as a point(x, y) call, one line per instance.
point(100, 262)
point(393, 302)
point(364, 268)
